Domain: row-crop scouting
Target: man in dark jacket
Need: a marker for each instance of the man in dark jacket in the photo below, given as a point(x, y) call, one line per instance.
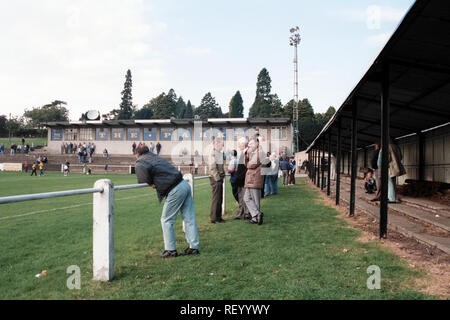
point(168, 182)
point(243, 212)
point(158, 148)
point(285, 168)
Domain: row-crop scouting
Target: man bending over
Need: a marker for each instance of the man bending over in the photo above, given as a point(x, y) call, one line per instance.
point(168, 182)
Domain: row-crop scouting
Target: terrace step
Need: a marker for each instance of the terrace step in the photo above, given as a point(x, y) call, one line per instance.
point(440, 219)
point(405, 226)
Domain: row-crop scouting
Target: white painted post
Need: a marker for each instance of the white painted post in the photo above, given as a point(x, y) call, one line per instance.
point(224, 195)
point(103, 231)
point(190, 179)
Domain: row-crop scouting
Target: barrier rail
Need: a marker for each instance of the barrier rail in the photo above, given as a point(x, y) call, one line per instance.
point(103, 218)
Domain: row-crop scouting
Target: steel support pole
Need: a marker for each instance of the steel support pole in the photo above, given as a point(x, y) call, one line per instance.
point(329, 166)
point(318, 166)
point(421, 173)
point(354, 158)
point(314, 166)
point(349, 155)
point(338, 163)
point(365, 158)
point(322, 183)
point(385, 122)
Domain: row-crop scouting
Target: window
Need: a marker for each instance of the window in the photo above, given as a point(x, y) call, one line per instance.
point(70, 134)
point(278, 133)
point(86, 134)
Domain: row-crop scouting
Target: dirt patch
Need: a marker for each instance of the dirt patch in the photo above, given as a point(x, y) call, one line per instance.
point(433, 261)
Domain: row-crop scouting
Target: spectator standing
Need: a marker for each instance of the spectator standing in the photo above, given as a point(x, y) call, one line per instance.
point(26, 166)
point(254, 180)
point(267, 173)
point(285, 168)
point(292, 170)
point(274, 166)
point(243, 212)
point(158, 148)
point(195, 167)
point(151, 147)
point(232, 170)
point(2, 149)
point(374, 166)
point(133, 147)
point(217, 172)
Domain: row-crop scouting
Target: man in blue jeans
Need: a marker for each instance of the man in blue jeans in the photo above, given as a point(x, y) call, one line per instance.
point(168, 182)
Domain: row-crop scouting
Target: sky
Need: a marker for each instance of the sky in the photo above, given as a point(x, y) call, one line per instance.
point(79, 51)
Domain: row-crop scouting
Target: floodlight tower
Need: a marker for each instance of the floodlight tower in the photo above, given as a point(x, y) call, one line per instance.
point(294, 41)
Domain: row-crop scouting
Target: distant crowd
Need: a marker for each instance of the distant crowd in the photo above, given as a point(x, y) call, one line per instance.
point(16, 148)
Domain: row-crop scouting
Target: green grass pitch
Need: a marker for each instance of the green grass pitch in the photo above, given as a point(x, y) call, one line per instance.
point(296, 254)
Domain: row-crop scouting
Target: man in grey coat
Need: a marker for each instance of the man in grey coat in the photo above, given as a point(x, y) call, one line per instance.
point(169, 183)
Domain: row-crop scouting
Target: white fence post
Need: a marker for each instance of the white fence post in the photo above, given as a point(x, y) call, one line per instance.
point(103, 231)
point(190, 179)
point(224, 195)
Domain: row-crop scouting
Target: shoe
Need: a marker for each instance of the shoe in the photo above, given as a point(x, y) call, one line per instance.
point(189, 251)
point(169, 254)
point(238, 218)
point(259, 218)
point(221, 221)
point(252, 221)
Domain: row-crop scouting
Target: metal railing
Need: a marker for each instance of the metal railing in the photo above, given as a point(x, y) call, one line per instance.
point(103, 218)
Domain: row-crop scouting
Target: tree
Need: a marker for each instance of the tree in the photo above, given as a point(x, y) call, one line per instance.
point(3, 128)
point(189, 114)
point(208, 108)
point(13, 125)
point(262, 107)
point(305, 110)
point(51, 112)
point(126, 108)
point(236, 109)
point(276, 107)
point(144, 113)
point(163, 106)
point(180, 108)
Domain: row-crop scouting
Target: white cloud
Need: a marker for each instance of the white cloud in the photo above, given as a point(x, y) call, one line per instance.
point(378, 40)
point(381, 13)
point(196, 51)
point(77, 51)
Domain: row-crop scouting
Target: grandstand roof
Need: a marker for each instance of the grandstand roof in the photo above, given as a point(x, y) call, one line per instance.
point(418, 55)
